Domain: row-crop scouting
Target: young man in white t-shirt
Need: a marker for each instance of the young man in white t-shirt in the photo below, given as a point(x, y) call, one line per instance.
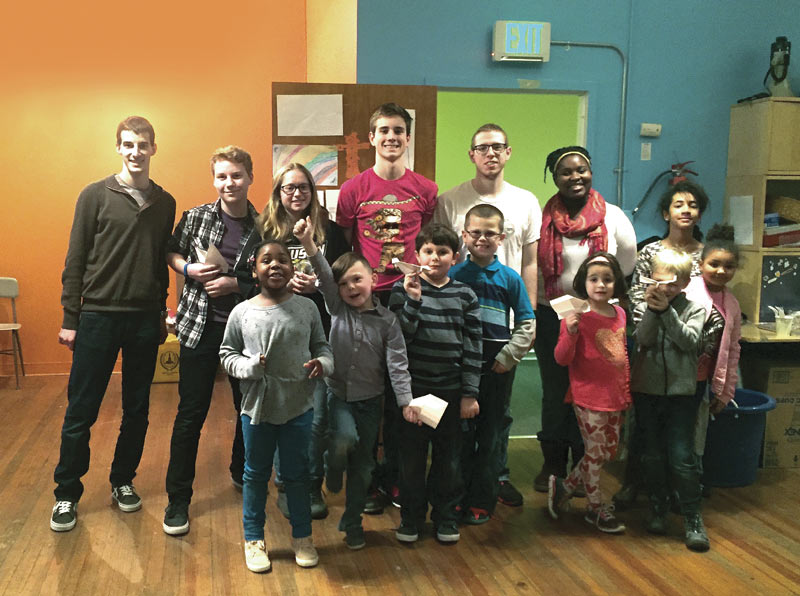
point(489, 151)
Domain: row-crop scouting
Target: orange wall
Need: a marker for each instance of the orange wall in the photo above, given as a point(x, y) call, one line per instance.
point(200, 72)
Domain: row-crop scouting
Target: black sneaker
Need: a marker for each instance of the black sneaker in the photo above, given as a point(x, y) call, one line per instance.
point(509, 495)
point(126, 498)
point(374, 503)
point(65, 516)
point(557, 497)
point(237, 482)
point(447, 532)
point(319, 509)
point(696, 538)
point(657, 523)
point(406, 533)
point(355, 540)
point(176, 519)
point(604, 520)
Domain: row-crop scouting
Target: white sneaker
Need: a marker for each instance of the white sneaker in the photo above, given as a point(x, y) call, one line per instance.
point(255, 553)
point(305, 554)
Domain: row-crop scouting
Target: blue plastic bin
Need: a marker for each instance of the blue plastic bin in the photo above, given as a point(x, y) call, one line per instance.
point(735, 436)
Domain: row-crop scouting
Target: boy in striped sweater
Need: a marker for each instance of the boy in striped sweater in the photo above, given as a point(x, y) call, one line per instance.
point(440, 318)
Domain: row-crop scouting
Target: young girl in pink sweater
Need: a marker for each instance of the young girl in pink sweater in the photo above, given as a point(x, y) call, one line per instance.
point(719, 345)
point(592, 345)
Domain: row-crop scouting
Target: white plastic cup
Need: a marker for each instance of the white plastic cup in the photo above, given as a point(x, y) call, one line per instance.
point(783, 326)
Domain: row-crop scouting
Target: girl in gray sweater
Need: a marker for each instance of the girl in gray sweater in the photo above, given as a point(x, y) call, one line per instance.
point(275, 343)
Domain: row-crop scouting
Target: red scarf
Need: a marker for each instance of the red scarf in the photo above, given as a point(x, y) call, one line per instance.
point(556, 223)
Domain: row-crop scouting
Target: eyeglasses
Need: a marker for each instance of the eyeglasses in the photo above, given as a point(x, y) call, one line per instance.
point(488, 234)
point(290, 189)
point(484, 149)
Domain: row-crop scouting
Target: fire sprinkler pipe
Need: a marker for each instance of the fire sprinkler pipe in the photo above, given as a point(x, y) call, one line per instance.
point(619, 170)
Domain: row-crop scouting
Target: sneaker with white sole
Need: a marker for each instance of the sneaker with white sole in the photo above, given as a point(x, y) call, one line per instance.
point(557, 496)
point(305, 554)
point(176, 519)
point(126, 498)
point(604, 520)
point(65, 516)
point(255, 555)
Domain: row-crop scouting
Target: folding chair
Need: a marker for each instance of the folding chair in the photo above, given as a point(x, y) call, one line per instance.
point(9, 288)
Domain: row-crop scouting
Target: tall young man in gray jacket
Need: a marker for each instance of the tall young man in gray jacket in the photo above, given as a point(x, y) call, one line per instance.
point(114, 295)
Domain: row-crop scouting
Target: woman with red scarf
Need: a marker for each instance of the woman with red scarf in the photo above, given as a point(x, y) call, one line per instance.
point(576, 222)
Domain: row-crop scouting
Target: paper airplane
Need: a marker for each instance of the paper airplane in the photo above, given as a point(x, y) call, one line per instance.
point(568, 304)
point(430, 408)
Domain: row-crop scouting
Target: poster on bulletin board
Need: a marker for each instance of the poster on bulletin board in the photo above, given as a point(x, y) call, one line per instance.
point(780, 285)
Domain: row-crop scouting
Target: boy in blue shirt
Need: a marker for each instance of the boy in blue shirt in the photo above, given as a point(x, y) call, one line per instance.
point(500, 290)
point(441, 323)
point(367, 343)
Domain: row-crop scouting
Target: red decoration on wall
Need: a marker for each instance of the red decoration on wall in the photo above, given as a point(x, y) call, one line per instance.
point(351, 148)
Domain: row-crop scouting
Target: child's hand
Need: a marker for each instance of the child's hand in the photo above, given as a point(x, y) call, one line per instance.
point(304, 230)
point(716, 406)
point(316, 368)
point(412, 286)
point(469, 407)
point(499, 368)
point(262, 360)
point(656, 299)
point(572, 320)
point(411, 414)
point(303, 283)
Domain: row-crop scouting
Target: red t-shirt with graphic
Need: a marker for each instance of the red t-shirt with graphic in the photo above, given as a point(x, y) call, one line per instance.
point(386, 216)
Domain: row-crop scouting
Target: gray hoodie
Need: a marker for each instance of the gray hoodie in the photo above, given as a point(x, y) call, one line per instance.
point(665, 361)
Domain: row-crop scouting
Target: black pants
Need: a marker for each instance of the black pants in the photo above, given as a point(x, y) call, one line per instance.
point(444, 484)
point(195, 387)
point(100, 337)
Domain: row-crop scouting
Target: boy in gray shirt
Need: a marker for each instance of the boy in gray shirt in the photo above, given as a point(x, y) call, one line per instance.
point(368, 342)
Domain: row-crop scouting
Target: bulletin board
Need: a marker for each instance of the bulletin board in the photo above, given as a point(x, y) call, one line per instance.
point(536, 123)
point(326, 125)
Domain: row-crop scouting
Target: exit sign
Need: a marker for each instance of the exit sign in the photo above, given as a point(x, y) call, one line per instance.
point(521, 41)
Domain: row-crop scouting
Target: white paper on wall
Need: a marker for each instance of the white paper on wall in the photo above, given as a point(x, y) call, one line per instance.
point(740, 216)
point(310, 115)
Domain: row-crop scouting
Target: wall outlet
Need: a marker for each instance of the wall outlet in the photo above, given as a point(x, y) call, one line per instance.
point(646, 150)
point(650, 130)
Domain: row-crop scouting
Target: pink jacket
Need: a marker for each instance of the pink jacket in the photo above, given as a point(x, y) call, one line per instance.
point(723, 380)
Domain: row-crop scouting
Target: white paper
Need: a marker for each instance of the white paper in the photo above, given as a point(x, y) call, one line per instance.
point(310, 115)
point(408, 268)
point(431, 409)
point(212, 256)
point(568, 304)
point(740, 216)
point(410, 148)
point(331, 201)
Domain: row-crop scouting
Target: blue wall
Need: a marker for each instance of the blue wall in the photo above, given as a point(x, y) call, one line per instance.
point(689, 61)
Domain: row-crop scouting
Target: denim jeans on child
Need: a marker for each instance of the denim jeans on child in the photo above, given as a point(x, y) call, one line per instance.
point(668, 424)
point(319, 435)
point(260, 441)
point(353, 430)
point(100, 336)
point(482, 441)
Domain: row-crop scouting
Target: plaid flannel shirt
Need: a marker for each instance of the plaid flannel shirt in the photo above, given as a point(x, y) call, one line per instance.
point(199, 227)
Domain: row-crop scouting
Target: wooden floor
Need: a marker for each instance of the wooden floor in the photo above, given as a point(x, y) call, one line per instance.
point(754, 531)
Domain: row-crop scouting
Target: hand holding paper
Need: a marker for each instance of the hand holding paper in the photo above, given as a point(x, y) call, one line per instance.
point(429, 408)
point(568, 304)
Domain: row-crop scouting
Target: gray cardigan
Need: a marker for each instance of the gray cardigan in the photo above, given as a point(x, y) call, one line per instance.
point(665, 361)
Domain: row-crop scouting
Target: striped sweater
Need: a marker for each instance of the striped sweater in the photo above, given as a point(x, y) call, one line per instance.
point(443, 336)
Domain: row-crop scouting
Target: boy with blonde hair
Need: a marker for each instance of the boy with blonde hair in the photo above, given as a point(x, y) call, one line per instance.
point(664, 387)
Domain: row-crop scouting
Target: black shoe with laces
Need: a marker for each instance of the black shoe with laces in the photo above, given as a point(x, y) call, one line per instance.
point(126, 498)
point(176, 519)
point(65, 516)
point(696, 538)
point(509, 495)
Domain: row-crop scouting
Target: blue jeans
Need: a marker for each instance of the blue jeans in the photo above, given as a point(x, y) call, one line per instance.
point(195, 387)
point(508, 420)
point(260, 441)
point(481, 442)
point(100, 337)
point(319, 435)
point(354, 428)
point(667, 423)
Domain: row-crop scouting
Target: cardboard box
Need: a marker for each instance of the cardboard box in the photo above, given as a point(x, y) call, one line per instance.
point(168, 361)
point(781, 380)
